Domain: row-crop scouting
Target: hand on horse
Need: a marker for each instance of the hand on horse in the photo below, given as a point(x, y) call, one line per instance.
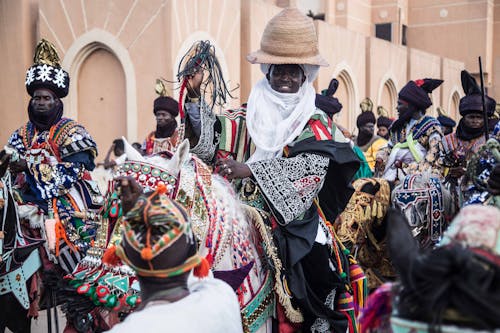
point(231, 169)
point(18, 166)
point(129, 192)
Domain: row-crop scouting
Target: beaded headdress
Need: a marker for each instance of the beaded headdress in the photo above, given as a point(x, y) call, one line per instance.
point(46, 71)
point(155, 225)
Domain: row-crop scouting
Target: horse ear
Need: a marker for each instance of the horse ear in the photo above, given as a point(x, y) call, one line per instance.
point(131, 152)
point(403, 248)
point(181, 155)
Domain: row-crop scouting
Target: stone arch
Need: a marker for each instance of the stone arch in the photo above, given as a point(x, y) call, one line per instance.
point(83, 47)
point(387, 96)
point(453, 104)
point(348, 95)
point(187, 43)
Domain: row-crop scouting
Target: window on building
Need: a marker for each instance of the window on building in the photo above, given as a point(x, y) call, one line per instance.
point(384, 31)
point(403, 34)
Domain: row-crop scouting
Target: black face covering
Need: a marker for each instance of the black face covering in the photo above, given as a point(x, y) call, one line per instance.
point(467, 133)
point(167, 130)
point(44, 120)
point(403, 118)
point(364, 137)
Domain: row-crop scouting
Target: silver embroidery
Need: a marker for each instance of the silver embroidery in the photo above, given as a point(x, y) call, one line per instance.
point(205, 149)
point(321, 325)
point(291, 184)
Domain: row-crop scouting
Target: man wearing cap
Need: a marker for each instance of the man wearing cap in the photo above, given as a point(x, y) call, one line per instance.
point(383, 123)
point(164, 138)
point(160, 247)
point(415, 141)
point(469, 136)
point(284, 155)
point(367, 140)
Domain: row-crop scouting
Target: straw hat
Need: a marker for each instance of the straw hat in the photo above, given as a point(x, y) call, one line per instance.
point(289, 38)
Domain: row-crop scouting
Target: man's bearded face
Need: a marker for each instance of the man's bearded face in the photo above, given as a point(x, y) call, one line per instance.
point(43, 100)
point(286, 78)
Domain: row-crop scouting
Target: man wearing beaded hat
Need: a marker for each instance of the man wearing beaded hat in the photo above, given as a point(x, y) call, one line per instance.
point(159, 245)
point(282, 153)
point(52, 157)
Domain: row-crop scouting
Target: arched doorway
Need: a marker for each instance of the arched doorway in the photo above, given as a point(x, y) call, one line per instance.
point(454, 104)
point(102, 100)
point(345, 94)
point(388, 97)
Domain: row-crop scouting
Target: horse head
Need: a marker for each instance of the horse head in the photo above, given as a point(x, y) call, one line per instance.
point(426, 205)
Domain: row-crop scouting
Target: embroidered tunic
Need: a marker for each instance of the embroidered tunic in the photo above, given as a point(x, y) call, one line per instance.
point(371, 149)
point(418, 146)
point(153, 145)
point(318, 164)
point(58, 162)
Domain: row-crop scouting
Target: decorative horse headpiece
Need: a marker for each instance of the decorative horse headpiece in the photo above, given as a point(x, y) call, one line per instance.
point(420, 197)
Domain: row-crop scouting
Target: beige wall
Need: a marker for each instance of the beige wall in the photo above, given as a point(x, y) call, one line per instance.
point(115, 50)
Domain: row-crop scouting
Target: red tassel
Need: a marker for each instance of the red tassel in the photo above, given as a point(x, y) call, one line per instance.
point(202, 269)
point(210, 259)
point(110, 258)
point(147, 254)
point(181, 98)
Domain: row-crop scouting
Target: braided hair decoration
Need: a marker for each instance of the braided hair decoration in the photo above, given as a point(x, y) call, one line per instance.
point(201, 56)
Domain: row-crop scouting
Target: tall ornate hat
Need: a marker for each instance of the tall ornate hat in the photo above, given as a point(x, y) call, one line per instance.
point(383, 119)
point(289, 38)
point(46, 71)
point(417, 92)
point(164, 102)
point(472, 102)
point(366, 104)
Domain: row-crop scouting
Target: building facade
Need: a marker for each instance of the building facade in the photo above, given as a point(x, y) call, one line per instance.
point(115, 50)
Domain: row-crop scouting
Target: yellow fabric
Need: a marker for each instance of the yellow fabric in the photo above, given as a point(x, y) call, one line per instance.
point(371, 152)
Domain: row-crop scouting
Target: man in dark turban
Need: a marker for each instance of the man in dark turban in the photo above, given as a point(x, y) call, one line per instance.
point(164, 138)
point(469, 136)
point(415, 138)
point(367, 140)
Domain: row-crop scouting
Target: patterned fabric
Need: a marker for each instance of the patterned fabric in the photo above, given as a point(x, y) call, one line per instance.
point(422, 201)
point(290, 184)
point(151, 227)
point(45, 153)
point(427, 133)
point(58, 161)
point(153, 145)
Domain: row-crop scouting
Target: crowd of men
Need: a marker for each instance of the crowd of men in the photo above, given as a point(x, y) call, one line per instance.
point(286, 157)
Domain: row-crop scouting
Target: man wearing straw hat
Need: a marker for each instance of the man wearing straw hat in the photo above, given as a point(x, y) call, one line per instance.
point(288, 159)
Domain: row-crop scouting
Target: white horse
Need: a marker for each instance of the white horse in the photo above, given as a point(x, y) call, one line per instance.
point(221, 225)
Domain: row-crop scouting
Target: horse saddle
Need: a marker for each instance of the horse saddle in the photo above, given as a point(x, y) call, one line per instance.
point(15, 280)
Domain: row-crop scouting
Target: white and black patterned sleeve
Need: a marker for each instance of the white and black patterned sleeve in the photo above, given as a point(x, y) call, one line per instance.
point(290, 184)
